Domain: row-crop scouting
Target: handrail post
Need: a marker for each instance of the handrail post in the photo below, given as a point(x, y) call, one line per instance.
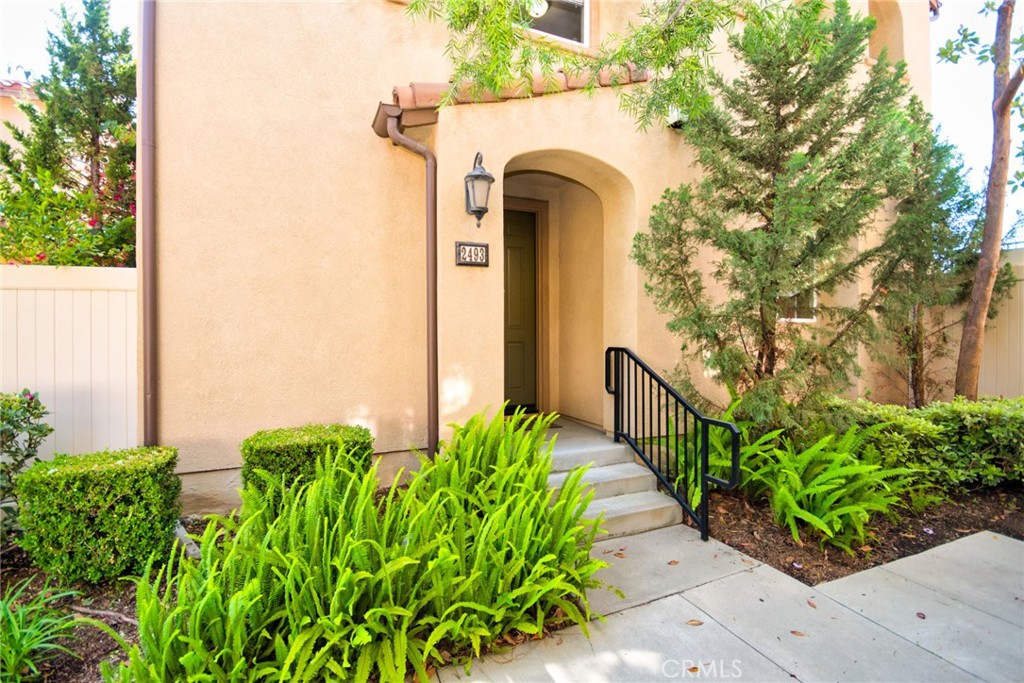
point(618, 395)
point(704, 467)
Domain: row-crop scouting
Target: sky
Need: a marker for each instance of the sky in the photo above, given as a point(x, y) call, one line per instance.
point(961, 93)
point(23, 27)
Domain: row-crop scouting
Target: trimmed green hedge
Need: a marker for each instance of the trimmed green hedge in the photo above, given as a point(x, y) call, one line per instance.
point(963, 443)
point(102, 515)
point(983, 441)
point(904, 437)
point(293, 452)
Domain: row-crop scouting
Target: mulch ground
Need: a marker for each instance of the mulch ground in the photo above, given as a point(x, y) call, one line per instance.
point(112, 603)
point(735, 521)
point(752, 530)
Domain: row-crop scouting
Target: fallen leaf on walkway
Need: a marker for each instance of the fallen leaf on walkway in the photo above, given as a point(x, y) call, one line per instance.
point(559, 640)
point(619, 555)
point(694, 669)
point(920, 615)
point(673, 562)
point(695, 622)
point(811, 603)
point(746, 561)
point(798, 633)
point(715, 557)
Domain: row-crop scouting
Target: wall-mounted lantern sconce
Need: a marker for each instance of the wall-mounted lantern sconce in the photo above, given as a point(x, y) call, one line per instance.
point(538, 8)
point(478, 188)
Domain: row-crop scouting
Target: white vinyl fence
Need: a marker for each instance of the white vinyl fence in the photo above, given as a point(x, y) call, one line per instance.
point(70, 335)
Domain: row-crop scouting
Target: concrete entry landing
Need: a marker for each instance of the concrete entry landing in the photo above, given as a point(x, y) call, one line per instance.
point(698, 610)
point(624, 491)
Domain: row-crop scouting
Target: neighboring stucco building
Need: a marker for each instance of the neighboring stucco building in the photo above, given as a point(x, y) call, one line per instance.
point(289, 249)
point(13, 93)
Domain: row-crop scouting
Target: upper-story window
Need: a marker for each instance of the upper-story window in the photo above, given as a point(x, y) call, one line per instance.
point(566, 19)
point(799, 308)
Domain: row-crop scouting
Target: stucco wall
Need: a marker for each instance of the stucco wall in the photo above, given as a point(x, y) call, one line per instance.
point(290, 238)
point(581, 366)
point(10, 97)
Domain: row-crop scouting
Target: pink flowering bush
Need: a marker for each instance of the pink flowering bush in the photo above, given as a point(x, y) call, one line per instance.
point(42, 224)
point(22, 431)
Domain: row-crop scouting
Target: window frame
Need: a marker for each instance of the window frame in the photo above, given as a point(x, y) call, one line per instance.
point(814, 308)
point(584, 30)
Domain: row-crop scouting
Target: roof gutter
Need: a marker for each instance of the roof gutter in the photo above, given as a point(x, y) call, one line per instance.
point(389, 123)
point(147, 216)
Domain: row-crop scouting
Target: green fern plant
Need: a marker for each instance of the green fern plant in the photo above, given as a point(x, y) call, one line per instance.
point(322, 581)
point(825, 488)
point(685, 449)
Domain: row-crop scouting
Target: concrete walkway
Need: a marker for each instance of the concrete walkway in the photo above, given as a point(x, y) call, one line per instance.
point(703, 611)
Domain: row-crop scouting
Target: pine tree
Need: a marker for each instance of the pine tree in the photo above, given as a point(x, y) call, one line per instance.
point(931, 255)
point(796, 156)
point(83, 140)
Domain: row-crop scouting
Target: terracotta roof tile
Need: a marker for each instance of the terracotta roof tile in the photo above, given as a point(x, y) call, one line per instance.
point(14, 88)
point(428, 95)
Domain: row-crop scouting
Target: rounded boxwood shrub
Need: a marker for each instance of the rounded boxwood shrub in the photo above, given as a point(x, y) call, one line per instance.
point(293, 452)
point(102, 515)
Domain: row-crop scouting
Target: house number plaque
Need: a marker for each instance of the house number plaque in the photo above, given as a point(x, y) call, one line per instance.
point(472, 254)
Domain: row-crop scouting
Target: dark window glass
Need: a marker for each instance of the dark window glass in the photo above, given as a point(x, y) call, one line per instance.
point(798, 307)
point(562, 18)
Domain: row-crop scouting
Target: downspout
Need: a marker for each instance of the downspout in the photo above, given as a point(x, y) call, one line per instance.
point(408, 143)
point(147, 211)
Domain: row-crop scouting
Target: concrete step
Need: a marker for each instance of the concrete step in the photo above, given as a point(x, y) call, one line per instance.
point(612, 480)
point(635, 512)
point(598, 452)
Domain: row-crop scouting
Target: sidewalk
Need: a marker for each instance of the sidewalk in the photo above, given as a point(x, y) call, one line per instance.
point(953, 613)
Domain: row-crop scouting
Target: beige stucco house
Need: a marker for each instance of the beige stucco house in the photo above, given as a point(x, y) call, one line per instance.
point(284, 257)
point(12, 94)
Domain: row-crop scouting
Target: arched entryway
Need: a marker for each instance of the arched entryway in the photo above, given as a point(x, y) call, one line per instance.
point(888, 33)
point(568, 223)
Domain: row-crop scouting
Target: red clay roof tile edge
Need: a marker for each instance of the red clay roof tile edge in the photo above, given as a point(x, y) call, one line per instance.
point(428, 95)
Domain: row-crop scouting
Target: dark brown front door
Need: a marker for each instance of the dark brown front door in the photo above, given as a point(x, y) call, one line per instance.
point(521, 309)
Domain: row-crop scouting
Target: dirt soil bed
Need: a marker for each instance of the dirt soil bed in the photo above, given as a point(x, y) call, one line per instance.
point(736, 522)
point(112, 603)
point(752, 530)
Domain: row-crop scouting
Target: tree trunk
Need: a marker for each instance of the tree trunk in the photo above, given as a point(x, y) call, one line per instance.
point(968, 364)
point(94, 164)
point(917, 372)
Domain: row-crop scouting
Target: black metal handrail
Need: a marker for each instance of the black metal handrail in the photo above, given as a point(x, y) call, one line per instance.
point(671, 436)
